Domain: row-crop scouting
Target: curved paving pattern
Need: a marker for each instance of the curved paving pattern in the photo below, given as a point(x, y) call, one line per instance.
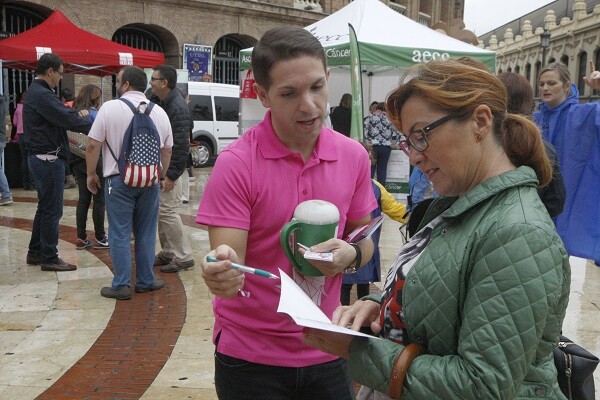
point(134, 347)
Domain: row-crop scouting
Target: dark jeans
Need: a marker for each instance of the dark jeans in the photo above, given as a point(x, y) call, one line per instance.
point(50, 179)
point(382, 156)
point(26, 175)
point(242, 380)
point(85, 198)
point(362, 290)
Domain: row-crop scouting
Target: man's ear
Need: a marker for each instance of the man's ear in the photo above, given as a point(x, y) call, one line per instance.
point(262, 94)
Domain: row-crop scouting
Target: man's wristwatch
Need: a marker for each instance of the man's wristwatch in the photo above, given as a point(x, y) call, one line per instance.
point(355, 265)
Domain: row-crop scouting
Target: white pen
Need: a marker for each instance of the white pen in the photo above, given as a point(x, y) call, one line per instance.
point(245, 268)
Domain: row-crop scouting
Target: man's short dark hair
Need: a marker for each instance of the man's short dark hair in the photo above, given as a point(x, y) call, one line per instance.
point(281, 44)
point(136, 77)
point(168, 73)
point(47, 61)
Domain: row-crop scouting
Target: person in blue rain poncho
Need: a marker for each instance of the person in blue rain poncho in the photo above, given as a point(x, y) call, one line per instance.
point(574, 131)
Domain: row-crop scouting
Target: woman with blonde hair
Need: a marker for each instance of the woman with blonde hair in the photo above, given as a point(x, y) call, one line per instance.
point(574, 131)
point(473, 304)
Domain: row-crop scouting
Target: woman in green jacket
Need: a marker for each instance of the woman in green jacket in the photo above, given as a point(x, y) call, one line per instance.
point(473, 304)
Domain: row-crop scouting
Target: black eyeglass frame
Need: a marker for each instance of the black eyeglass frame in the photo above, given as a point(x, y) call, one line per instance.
point(423, 132)
point(152, 79)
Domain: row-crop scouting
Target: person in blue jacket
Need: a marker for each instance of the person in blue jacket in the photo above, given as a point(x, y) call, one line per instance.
point(420, 188)
point(574, 131)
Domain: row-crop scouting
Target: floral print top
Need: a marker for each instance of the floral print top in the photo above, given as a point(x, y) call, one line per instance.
point(379, 130)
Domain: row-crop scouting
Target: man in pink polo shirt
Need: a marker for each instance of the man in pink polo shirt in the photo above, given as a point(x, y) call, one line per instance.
point(253, 190)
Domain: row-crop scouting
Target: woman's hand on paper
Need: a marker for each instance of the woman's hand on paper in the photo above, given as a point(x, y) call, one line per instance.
point(360, 314)
point(334, 343)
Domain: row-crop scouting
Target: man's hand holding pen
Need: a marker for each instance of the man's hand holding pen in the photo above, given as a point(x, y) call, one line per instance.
point(220, 277)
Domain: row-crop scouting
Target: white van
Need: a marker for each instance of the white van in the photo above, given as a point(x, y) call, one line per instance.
point(215, 112)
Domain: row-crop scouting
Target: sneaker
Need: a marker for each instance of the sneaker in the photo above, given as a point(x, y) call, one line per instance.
point(34, 260)
point(102, 243)
point(158, 284)
point(6, 201)
point(59, 265)
point(176, 267)
point(122, 293)
point(161, 260)
point(82, 244)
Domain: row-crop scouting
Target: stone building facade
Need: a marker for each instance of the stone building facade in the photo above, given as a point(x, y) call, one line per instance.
point(574, 28)
point(165, 25)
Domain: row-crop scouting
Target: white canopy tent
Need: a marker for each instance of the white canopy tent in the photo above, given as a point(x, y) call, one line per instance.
point(388, 42)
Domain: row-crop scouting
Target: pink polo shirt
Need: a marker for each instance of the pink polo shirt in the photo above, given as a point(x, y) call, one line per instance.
point(255, 185)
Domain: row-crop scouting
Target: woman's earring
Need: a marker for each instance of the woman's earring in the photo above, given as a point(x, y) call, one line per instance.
point(478, 138)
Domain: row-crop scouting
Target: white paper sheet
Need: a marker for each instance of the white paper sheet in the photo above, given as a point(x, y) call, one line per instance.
point(296, 303)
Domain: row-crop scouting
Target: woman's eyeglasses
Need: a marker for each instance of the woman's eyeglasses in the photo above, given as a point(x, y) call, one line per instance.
point(418, 139)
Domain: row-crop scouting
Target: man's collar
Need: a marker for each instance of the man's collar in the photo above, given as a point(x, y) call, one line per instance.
point(325, 148)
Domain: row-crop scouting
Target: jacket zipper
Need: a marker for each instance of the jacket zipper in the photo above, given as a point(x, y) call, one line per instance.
point(568, 368)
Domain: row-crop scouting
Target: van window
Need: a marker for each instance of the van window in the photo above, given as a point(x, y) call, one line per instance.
point(227, 108)
point(200, 108)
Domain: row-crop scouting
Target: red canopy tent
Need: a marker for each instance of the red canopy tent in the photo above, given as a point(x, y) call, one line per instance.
point(81, 51)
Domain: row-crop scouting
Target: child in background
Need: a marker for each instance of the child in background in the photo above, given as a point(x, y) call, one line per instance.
point(371, 272)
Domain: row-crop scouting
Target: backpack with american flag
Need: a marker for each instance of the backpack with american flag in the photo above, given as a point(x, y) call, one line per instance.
point(139, 162)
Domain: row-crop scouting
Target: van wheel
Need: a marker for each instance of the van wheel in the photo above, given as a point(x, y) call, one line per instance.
point(202, 155)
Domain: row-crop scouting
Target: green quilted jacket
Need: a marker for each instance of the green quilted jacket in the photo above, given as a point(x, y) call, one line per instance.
point(486, 298)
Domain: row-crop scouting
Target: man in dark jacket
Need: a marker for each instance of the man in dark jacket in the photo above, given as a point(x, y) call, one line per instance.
point(45, 120)
point(176, 253)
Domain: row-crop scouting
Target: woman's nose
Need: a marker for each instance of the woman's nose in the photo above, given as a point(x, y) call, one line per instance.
point(415, 157)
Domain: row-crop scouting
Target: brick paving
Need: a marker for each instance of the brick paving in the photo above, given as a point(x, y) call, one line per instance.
point(136, 343)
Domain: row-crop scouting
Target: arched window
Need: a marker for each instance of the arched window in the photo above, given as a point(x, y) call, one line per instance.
point(565, 60)
point(583, 60)
point(137, 36)
point(538, 68)
point(596, 92)
point(226, 60)
point(528, 71)
point(17, 19)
